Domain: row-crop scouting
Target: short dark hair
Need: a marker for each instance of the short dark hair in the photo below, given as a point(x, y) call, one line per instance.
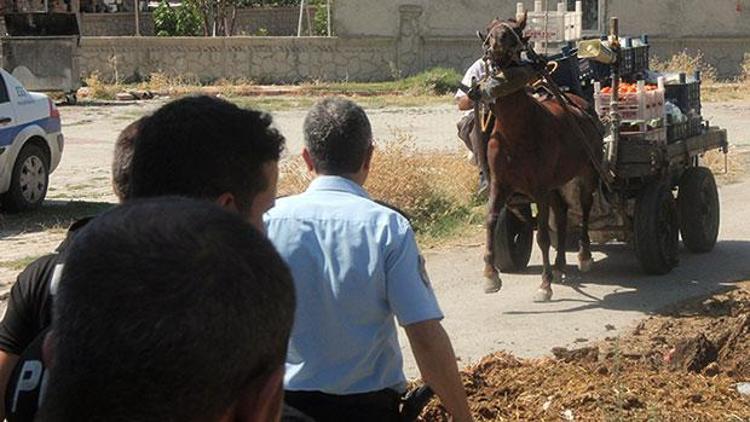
point(168, 309)
point(338, 136)
point(202, 147)
point(123, 158)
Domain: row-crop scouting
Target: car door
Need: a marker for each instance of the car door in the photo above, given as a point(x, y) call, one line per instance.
point(7, 116)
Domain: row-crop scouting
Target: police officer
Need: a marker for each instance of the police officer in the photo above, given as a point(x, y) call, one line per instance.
point(356, 266)
point(215, 150)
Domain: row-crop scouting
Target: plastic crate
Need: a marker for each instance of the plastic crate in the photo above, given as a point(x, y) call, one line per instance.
point(639, 106)
point(634, 53)
point(685, 94)
point(567, 75)
point(553, 26)
point(693, 126)
point(640, 58)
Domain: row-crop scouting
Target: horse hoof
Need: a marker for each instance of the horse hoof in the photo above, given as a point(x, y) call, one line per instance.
point(543, 295)
point(584, 265)
point(493, 284)
point(558, 276)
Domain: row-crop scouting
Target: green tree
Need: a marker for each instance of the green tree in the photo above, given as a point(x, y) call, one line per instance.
point(181, 21)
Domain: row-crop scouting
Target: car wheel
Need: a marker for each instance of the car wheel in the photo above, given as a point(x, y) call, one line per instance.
point(28, 185)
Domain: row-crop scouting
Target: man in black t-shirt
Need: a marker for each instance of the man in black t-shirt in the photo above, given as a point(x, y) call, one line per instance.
point(198, 147)
point(155, 320)
point(28, 312)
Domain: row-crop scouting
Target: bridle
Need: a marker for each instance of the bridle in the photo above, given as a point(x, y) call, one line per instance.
point(518, 49)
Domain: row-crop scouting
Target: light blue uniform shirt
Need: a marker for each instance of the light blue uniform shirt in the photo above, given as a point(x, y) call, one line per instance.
point(355, 265)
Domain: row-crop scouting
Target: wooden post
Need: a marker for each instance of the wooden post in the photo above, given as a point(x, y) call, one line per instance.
point(137, 13)
point(328, 11)
point(301, 13)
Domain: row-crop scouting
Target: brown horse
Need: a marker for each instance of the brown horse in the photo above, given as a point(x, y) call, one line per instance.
point(538, 149)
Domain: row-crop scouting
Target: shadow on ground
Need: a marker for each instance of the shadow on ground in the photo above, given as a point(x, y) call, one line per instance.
point(52, 215)
point(696, 274)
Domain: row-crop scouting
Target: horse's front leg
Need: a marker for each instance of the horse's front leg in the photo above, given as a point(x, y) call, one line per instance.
point(497, 199)
point(544, 293)
point(560, 208)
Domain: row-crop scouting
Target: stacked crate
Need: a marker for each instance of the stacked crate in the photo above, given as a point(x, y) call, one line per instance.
point(686, 94)
point(642, 112)
point(634, 61)
point(552, 28)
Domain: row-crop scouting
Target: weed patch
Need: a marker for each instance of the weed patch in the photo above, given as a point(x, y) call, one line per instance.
point(435, 189)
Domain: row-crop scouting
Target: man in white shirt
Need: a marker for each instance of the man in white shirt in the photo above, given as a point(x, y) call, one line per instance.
point(475, 142)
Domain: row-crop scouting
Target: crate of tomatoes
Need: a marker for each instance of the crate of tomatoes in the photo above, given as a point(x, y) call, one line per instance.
point(637, 101)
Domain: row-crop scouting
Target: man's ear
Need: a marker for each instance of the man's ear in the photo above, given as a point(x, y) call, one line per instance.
point(226, 201)
point(308, 159)
point(368, 157)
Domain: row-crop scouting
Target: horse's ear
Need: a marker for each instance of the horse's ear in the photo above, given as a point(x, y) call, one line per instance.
point(522, 20)
point(481, 36)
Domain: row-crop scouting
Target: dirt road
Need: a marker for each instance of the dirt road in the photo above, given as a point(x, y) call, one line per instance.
point(615, 293)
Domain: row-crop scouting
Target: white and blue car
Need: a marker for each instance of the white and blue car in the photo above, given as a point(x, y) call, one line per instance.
point(31, 144)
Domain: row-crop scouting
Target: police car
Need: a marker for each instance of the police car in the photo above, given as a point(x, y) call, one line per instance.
point(31, 144)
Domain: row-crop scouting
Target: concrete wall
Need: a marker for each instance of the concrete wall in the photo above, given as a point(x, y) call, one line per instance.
point(439, 18)
point(719, 29)
point(261, 59)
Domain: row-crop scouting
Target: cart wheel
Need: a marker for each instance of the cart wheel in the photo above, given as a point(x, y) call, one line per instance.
point(698, 202)
point(513, 240)
point(656, 229)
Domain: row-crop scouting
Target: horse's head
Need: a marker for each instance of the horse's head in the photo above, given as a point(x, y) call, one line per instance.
point(504, 41)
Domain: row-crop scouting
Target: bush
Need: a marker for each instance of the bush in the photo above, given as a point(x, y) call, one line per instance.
point(438, 80)
point(684, 62)
point(434, 188)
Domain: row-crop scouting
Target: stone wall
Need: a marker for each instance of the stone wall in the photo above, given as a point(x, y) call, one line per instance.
point(260, 59)
point(370, 47)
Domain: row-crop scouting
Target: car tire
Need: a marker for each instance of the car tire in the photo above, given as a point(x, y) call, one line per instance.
point(29, 181)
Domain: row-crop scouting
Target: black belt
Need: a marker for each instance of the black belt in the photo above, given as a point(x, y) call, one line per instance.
point(382, 405)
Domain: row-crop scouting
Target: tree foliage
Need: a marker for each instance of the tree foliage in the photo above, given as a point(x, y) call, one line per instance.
point(178, 21)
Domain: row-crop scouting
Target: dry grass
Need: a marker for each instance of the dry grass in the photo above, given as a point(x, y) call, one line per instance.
point(99, 89)
point(435, 189)
point(729, 168)
point(712, 89)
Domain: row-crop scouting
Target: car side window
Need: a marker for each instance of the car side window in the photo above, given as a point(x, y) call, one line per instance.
point(4, 98)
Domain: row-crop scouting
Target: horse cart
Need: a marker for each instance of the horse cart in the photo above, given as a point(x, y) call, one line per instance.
point(653, 187)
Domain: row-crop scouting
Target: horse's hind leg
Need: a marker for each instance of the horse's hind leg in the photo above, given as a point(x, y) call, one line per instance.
point(560, 208)
point(544, 293)
point(588, 186)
